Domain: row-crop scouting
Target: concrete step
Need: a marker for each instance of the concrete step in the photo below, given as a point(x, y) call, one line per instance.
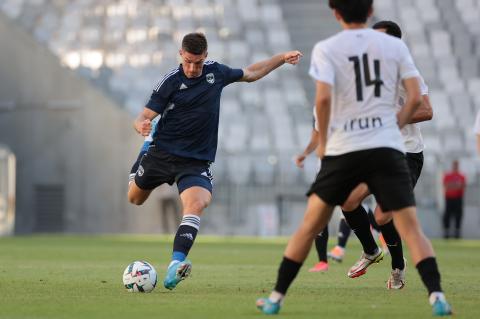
point(308, 22)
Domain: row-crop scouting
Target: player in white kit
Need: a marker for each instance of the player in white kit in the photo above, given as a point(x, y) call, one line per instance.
point(357, 73)
point(414, 156)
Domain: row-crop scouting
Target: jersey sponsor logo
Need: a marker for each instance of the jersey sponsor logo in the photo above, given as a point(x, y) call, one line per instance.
point(183, 86)
point(140, 171)
point(362, 124)
point(210, 78)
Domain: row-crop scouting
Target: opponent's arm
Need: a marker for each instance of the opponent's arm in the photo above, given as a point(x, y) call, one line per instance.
point(143, 122)
point(323, 99)
point(312, 145)
point(414, 99)
point(258, 70)
point(424, 112)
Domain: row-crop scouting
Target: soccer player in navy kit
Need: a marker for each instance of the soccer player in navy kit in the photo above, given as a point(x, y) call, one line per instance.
point(185, 141)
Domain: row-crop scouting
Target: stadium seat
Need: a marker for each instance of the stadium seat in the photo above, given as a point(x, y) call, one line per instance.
point(239, 169)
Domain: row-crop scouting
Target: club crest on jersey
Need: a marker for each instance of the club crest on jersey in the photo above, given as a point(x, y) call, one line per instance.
point(210, 78)
point(140, 171)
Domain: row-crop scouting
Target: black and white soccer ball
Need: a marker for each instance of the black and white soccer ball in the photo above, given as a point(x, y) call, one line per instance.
point(140, 276)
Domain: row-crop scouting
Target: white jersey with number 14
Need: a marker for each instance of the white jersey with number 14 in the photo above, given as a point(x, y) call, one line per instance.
point(364, 68)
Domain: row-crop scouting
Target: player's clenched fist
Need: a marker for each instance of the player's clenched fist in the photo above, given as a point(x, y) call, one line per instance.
point(292, 57)
point(144, 127)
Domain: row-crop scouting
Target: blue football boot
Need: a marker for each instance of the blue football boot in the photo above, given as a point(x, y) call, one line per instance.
point(441, 308)
point(176, 272)
point(268, 307)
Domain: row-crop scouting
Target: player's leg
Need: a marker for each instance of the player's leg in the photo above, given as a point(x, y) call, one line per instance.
point(390, 234)
point(195, 188)
point(338, 252)
point(394, 245)
point(321, 242)
point(391, 184)
point(423, 256)
point(446, 219)
point(137, 195)
point(458, 217)
point(335, 181)
point(316, 218)
point(376, 227)
point(357, 218)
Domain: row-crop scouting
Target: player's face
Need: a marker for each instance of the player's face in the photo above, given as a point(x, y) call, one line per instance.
point(192, 64)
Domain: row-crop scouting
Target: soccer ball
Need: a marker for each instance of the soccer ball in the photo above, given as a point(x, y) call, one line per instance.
point(140, 276)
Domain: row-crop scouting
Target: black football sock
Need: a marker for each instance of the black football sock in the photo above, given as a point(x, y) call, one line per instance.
point(358, 221)
point(185, 236)
point(373, 222)
point(394, 244)
point(428, 270)
point(321, 242)
point(343, 233)
point(286, 274)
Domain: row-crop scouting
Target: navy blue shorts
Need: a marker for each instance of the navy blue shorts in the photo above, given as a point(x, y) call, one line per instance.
point(157, 167)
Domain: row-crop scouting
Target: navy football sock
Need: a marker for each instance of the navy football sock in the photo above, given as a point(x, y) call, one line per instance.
point(185, 236)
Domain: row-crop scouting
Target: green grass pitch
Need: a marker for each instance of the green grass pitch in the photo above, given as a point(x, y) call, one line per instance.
point(81, 277)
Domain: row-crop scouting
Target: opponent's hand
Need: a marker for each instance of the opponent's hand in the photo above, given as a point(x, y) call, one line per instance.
point(299, 159)
point(144, 127)
point(292, 57)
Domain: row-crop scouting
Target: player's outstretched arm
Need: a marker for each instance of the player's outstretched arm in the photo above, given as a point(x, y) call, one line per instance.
point(312, 145)
point(258, 70)
point(424, 112)
point(143, 122)
point(414, 100)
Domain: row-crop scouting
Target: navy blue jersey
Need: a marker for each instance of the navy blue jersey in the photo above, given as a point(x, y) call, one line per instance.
point(190, 110)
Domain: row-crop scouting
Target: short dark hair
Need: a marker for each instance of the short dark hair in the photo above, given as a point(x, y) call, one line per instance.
point(390, 27)
point(195, 43)
point(352, 10)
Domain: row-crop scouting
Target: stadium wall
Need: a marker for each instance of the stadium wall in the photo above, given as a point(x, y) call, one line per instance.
point(74, 146)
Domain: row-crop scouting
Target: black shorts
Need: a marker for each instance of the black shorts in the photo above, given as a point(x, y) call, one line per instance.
point(415, 165)
point(384, 170)
point(158, 167)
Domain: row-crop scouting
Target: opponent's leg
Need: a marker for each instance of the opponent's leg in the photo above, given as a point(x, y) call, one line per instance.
point(394, 244)
point(357, 218)
point(338, 252)
point(321, 242)
point(423, 257)
point(316, 218)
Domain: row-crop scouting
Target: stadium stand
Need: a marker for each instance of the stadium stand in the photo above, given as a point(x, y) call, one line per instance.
point(124, 47)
